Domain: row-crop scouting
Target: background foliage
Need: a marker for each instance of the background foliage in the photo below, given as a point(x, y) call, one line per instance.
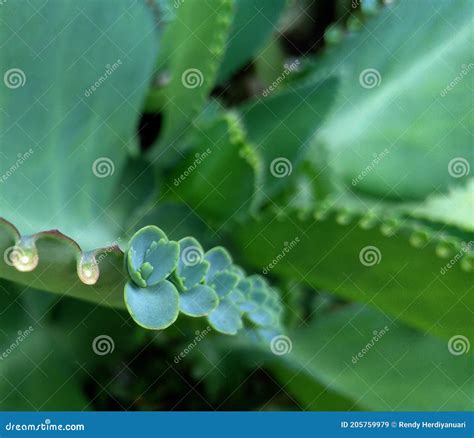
point(327, 146)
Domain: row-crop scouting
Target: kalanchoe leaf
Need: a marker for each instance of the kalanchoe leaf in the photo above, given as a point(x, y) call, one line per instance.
point(267, 334)
point(169, 277)
point(258, 296)
point(237, 270)
point(262, 316)
point(198, 301)
point(192, 267)
point(226, 318)
point(219, 260)
point(155, 307)
point(224, 282)
point(236, 297)
point(152, 257)
point(258, 282)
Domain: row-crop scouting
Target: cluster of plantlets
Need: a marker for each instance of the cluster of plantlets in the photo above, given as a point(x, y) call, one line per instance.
point(170, 277)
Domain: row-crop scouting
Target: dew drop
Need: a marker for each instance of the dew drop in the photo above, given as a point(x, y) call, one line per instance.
point(24, 256)
point(88, 268)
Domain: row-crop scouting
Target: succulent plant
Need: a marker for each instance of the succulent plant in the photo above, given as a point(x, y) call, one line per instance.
point(352, 177)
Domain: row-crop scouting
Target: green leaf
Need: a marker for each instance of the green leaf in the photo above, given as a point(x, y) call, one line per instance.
point(155, 307)
point(410, 272)
point(226, 318)
point(219, 260)
point(192, 267)
point(195, 42)
point(380, 364)
point(64, 149)
point(405, 90)
point(206, 182)
point(151, 257)
point(223, 282)
point(454, 208)
point(198, 301)
point(282, 126)
point(252, 25)
point(59, 263)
